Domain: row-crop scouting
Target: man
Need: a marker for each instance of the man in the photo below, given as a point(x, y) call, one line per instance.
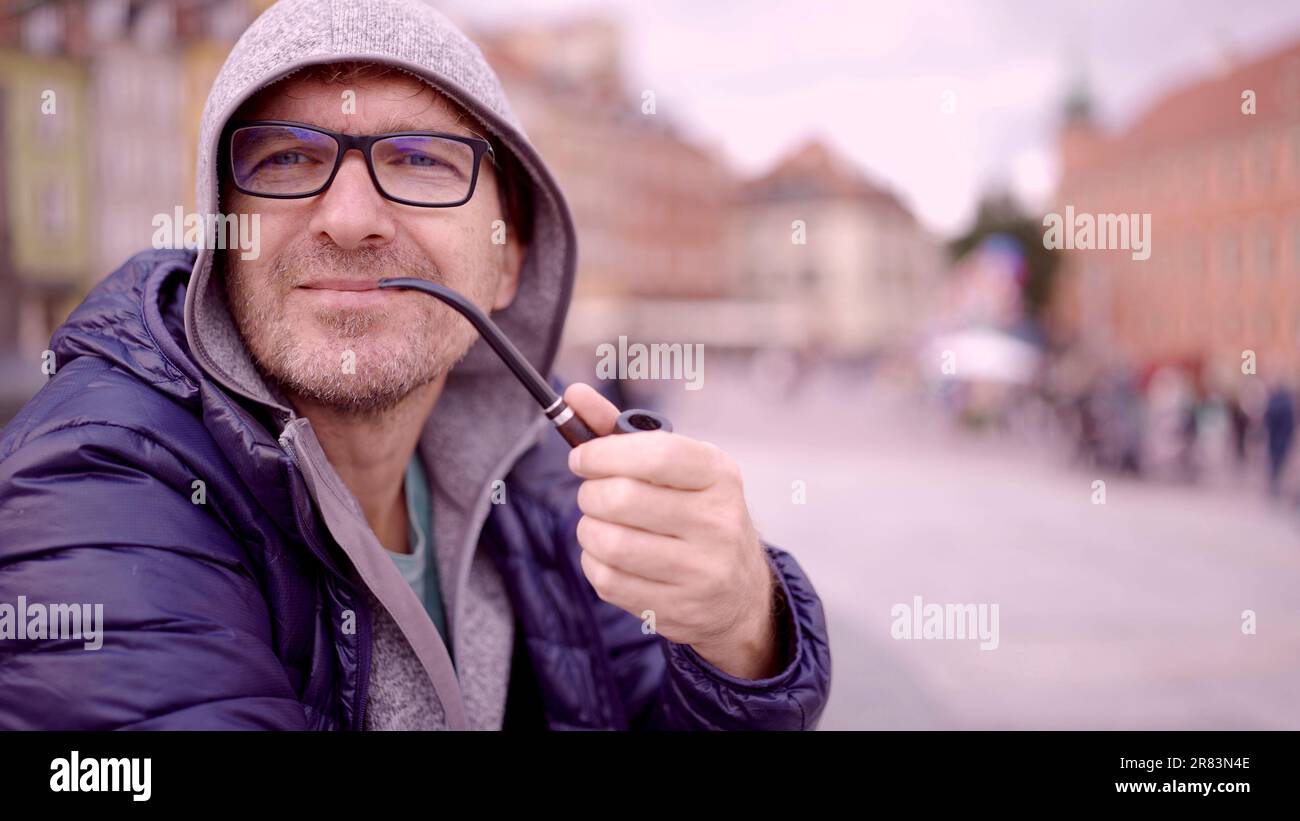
point(304, 502)
point(1279, 427)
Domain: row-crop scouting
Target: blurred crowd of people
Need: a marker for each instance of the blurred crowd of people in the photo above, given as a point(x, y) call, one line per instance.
point(1176, 421)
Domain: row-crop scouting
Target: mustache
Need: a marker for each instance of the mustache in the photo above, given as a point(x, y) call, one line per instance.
point(303, 261)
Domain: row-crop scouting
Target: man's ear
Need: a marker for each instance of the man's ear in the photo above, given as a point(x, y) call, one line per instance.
point(512, 261)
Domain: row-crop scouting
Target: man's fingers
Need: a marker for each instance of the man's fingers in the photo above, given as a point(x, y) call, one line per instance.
point(638, 552)
point(597, 411)
point(659, 457)
point(632, 502)
point(623, 590)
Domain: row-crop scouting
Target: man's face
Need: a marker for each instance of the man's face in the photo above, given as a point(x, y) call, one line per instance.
point(297, 304)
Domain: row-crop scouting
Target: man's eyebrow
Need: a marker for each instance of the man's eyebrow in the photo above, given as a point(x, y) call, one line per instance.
point(393, 124)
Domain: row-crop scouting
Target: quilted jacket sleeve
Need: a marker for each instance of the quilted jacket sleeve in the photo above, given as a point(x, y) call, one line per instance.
point(668, 686)
point(101, 515)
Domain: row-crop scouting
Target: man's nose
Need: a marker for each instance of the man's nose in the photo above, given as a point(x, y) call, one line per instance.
point(351, 212)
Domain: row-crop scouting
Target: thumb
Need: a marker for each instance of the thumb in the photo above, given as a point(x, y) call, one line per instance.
point(598, 412)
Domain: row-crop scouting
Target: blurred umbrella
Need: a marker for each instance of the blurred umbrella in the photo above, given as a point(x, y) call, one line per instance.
point(984, 355)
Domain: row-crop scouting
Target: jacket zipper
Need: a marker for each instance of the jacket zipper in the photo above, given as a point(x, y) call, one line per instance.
point(363, 668)
point(363, 656)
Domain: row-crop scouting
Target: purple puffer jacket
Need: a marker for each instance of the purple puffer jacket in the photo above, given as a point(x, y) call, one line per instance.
point(225, 614)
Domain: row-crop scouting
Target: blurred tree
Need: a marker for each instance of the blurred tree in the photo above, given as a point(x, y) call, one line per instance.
point(1000, 213)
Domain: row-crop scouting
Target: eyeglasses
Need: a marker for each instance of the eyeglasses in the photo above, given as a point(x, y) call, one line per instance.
point(286, 160)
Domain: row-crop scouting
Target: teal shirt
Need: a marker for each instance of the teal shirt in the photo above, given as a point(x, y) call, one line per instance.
point(420, 566)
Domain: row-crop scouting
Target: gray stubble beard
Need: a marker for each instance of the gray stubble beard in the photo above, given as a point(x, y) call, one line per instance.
point(383, 375)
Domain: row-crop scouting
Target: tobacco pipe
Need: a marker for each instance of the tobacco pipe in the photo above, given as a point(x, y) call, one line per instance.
point(568, 423)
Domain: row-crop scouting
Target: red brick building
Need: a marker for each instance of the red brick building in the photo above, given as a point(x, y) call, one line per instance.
point(1223, 190)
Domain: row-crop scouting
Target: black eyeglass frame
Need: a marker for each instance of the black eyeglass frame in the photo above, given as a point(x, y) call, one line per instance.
point(362, 143)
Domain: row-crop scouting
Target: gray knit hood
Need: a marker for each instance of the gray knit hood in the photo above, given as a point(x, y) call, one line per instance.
point(484, 419)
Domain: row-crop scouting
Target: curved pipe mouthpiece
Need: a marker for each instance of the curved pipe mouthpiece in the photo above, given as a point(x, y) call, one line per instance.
point(568, 423)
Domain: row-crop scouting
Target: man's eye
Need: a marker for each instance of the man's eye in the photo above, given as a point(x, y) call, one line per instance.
point(287, 158)
point(422, 160)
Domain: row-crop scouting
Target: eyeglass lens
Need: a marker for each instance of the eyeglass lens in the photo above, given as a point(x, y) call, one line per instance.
point(286, 161)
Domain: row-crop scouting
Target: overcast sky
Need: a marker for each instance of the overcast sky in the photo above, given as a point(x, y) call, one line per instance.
point(756, 77)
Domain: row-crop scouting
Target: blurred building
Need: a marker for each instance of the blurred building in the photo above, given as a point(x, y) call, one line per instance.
point(46, 208)
point(1223, 191)
point(652, 207)
point(674, 247)
point(814, 233)
point(99, 109)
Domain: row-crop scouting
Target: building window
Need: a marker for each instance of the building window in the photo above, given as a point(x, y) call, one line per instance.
point(1295, 154)
point(1193, 170)
point(1295, 248)
point(50, 128)
point(53, 211)
point(1261, 163)
point(1229, 254)
point(1229, 170)
point(1264, 249)
point(1261, 325)
point(42, 29)
point(1194, 258)
point(1229, 324)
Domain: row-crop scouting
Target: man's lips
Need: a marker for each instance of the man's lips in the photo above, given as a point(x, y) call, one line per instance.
point(345, 293)
point(342, 285)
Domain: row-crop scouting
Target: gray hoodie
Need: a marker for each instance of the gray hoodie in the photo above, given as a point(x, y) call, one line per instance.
point(484, 420)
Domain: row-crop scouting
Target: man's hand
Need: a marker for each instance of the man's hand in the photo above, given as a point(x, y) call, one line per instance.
point(665, 528)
